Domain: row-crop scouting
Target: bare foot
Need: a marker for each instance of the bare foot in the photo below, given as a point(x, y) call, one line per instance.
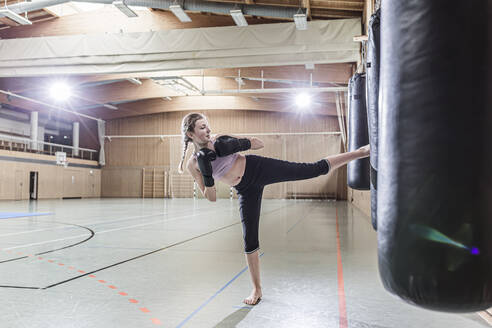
point(254, 298)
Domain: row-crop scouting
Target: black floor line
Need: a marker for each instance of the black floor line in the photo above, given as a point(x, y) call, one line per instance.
point(20, 287)
point(154, 251)
point(140, 256)
point(57, 249)
point(133, 258)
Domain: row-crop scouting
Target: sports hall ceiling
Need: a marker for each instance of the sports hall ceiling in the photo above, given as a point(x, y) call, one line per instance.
point(109, 96)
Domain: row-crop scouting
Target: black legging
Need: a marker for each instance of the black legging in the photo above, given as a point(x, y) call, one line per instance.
point(259, 172)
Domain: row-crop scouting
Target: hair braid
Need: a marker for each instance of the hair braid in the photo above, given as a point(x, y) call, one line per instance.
point(185, 148)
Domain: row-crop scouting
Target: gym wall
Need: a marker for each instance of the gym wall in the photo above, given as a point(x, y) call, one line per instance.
point(82, 178)
point(360, 199)
point(126, 159)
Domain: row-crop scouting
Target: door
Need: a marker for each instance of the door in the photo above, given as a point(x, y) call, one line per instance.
point(33, 185)
point(18, 184)
point(92, 185)
point(72, 184)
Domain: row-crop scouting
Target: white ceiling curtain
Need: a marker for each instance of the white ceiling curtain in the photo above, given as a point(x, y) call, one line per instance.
point(215, 47)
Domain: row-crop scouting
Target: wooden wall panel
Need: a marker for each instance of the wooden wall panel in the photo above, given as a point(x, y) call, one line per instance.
point(311, 148)
point(342, 188)
point(121, 182)
point(129, 156)
point(135, 152)
point(50, 182)
point(92, 184)
point(360, 199)
point(182, 186)
point(53, 181)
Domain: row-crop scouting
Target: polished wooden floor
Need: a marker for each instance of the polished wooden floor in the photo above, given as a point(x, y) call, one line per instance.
point(179, 263)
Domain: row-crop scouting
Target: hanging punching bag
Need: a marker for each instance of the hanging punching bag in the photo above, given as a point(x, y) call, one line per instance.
point(358, 170)
point(434, 188)
point(372, 86)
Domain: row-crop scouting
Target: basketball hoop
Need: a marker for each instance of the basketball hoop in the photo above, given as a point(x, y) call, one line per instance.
point(61, 158)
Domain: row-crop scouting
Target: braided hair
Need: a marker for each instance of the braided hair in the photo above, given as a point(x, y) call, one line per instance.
point(188, 125)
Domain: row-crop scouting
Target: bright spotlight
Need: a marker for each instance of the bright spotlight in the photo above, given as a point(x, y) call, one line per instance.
point(303, 100)
point(60, 91)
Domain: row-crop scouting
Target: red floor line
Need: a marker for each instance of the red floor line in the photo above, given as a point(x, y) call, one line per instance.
point(131, 300)
point(341, 291)
point(156, 321)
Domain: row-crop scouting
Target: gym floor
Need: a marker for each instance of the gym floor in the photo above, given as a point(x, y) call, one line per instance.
point(179, 263)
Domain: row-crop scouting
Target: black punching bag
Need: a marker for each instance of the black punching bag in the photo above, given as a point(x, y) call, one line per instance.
point(435, 142)
point(358, 170)
point(372, 86)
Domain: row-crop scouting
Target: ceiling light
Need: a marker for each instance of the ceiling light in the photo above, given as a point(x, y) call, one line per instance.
point(301, 21)
point(176, 84)
point(179, 12)
point(303, 100)
point(14, 16)
point(60, 91)
point(238, 17)
point(134, 81)
point(124, 8)
point(167, 98)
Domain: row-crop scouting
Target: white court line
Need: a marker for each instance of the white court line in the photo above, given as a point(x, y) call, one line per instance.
point(99, 232)
point(91, 223)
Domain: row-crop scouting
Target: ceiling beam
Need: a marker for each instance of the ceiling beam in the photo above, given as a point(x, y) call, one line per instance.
point(108, 93)
point(357, 6)
point(33, 16)
point(146, 21)
point(307, 5)
point(204, 103)
point(140, 106)
point(50, 12)
point(125, 91)
point(34, 107)
point(331, 13)
point(16, 102)
point(8, 21)
point(322, 73)
point(122, 91)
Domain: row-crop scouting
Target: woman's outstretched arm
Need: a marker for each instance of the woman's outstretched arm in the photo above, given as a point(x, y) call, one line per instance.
point(341, 159)
point(256, 143)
